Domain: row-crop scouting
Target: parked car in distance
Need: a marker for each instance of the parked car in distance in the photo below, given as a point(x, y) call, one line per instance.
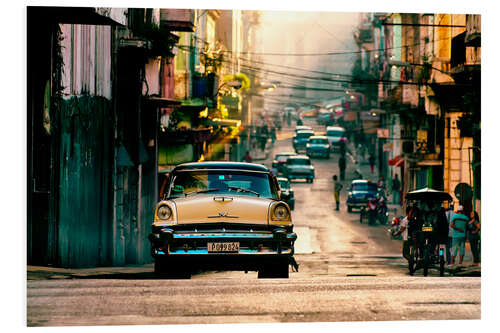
point(318, 145)
point(280, 160)
point(360, 192)
point(222, 216)
point(325, 117)
point(336, 136)
point(300, 140)
point(299, 167)
point(286, 191)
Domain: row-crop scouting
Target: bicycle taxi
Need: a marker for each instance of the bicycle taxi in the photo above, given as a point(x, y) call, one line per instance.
point(428, 230)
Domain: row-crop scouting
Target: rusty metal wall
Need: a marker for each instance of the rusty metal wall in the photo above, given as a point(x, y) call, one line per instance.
point(85, 198)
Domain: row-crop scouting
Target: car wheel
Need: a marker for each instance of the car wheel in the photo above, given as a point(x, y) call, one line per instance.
point(165, 270)
point(276, 270)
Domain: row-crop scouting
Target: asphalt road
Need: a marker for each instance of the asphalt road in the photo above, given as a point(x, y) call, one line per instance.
point(347, 272)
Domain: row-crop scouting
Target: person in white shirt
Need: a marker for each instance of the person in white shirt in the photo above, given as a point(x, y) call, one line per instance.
point(403, 230)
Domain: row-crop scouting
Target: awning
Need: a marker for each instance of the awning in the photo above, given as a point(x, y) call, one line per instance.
point(430, 163)
point(163, 102)
point(79, 15)
point(397, 161)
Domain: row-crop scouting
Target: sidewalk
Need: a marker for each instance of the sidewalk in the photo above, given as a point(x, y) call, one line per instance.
point(58, 273)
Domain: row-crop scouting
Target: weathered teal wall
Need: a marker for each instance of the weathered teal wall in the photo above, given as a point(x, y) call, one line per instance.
point(86, 196)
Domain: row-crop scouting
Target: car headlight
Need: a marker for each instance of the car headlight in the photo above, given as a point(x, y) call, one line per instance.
point(280, 213)
point(164, 215)
point(164, 212)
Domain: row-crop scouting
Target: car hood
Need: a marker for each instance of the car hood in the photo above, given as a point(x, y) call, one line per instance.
point(222, 208)
point(366, 193)
point(334, 139)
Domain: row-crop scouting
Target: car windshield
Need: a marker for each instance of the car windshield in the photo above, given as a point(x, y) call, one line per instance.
point(319, 141)
point(234, 182)
point(304, 135)
point(335, 133)
point(284, 184)
point(298, 161)
point(369, 187)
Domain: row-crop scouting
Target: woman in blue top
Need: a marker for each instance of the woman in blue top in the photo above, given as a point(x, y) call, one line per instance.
point(458, 224)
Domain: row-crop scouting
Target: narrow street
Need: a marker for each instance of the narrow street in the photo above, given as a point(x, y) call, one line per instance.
point(347, 272)
point(140, 212)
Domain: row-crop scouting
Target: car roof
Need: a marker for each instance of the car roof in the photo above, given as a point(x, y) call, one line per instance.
point(299, 157)
point(362, 181)
point(306, 131)
point(283, 179)
point(318, 137)
point(335, 128)
point(286, 154)
point(221, 165)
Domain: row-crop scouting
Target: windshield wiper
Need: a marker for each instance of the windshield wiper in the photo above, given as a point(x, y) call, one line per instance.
point(241, 189)
point(202, 191)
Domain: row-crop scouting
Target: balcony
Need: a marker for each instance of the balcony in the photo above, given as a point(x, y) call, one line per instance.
point(177, 19)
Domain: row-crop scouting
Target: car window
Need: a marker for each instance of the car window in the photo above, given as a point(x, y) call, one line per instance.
point(220, 182)
point(319, 141)
point(364, 187)
point(304, 135)
point(284, 184)
point(298, 161)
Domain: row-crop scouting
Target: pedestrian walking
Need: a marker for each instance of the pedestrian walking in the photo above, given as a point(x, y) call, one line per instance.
point(337, 187)
point(342, 163)
point(381, 184)
point(458, 224)
point(473, 235)
point(396, 187)
point(449, 214)
point(247, 158)
point(371, 159)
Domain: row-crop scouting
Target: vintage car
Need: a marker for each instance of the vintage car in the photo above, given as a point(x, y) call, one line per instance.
point(299, 167)
point(360, 192)
point(300, 140)
point(336, 137)
point(302, 128)
point(280, 160)
point(318, 145)
point(286, 192)
point(222, 216)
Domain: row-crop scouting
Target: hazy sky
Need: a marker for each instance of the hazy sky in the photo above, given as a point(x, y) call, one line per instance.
point(299, 33)
point(300, 39)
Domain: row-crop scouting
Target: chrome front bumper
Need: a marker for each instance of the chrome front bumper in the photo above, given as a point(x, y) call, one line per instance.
point(167, 242)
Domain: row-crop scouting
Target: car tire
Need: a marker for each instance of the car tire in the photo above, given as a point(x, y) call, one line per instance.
point(165, 270)
point(277, 270)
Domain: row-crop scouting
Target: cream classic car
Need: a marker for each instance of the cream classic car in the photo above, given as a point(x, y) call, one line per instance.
point(222, 216)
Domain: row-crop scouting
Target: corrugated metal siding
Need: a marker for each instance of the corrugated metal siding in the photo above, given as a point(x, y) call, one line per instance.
point(87, 60)
point(85, 217)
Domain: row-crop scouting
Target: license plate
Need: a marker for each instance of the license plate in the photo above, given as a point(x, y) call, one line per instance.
point(426, 228)
point(226, 247)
